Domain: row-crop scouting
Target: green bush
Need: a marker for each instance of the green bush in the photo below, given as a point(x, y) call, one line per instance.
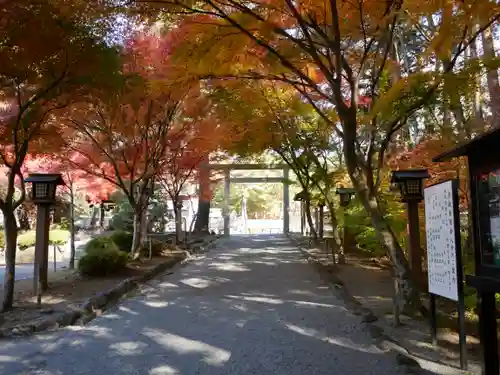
point(28, 239)
point(102, 258)
point(2, 239)
point(123, 240)
point(99, 244)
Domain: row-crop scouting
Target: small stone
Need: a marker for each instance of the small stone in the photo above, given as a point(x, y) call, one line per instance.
point(47, 311)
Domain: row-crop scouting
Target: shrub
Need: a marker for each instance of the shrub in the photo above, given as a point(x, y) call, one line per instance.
point(102, 258)
point(100, 244)
point(123, 240)
point(2, 239)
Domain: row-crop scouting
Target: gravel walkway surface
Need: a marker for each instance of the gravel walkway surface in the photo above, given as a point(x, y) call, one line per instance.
point(251, 306)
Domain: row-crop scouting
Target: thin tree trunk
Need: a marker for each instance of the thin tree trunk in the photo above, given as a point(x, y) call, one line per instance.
point(478, 111)
point(101, 215)
point(178, 221)
point(72, 229)
point(309, 219)
point(202, 223)
point(10, 228)
point(492, 76)
point(337, 242)
point(136, 240)
point(93, 217)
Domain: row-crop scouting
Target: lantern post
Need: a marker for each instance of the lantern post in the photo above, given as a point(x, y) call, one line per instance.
point(43, 194)
point(321, 218)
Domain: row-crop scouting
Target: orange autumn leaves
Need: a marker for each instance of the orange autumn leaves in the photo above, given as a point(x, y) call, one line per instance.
point(133, 133)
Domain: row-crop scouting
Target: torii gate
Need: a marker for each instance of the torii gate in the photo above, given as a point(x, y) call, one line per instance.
point(284, 179)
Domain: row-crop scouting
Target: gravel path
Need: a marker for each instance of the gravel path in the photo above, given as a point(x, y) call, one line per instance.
point(252, 306)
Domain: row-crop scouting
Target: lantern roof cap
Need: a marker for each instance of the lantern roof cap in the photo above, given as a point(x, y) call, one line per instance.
point(488, 139)
point(45, 177)
point(300, 196)
point(343, 190)
point(408, 174)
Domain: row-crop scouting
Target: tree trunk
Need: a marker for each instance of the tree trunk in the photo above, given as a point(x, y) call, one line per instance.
point(492, 76)
point(101, 215)
point(72, 229)
point(93, 217)
point(202, 223)
point(178, 221)
point(309, 219)
point(10, 227)
point(136, 240)
point(337, 242)
point(409, 294)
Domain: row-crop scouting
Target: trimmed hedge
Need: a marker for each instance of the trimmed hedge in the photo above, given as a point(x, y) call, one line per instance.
point(28, 239)
point(102, 258)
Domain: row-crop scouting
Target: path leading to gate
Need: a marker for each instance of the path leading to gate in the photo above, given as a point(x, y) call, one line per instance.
point(251, 306)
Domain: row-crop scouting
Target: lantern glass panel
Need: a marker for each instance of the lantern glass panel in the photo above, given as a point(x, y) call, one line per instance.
point(345, 199)
point(488, 192)
point(414, 187)
point(52, 191)
point(40, 190)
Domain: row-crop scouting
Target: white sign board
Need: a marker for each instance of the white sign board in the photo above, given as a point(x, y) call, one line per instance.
point(441, 246)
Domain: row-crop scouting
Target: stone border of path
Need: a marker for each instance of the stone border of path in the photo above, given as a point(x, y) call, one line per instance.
point(382, 340)
point(96, 305)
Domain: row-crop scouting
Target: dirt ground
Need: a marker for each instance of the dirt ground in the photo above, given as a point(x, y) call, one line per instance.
point(370, 282)
point(68, 289)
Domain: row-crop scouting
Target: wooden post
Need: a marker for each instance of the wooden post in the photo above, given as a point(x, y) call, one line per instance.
point(414, 250)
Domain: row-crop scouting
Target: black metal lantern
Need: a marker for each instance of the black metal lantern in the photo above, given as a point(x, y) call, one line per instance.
point(410, 183)
point(345, 195)
point(108, 205)
point(300, 196)
point(44, 187)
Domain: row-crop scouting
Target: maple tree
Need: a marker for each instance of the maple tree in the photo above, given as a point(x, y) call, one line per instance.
point(124, 136)
point(50, 56)
point(334, 53)
point(185, 154)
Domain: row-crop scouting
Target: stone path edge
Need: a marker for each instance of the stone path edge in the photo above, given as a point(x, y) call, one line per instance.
point(96, 305)
point(382, 339)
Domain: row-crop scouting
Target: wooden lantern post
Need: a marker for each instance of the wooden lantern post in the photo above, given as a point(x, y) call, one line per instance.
point(43, 194)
